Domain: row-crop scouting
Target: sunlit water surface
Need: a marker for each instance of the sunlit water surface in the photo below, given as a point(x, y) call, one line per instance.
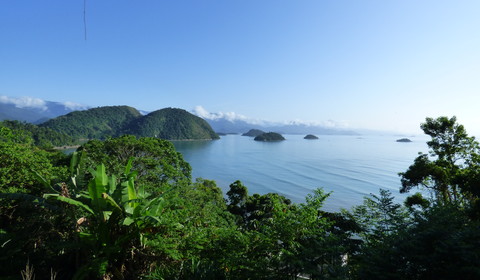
point(350, 167)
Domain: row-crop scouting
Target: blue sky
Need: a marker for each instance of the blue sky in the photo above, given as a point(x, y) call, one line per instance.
point(363, 64)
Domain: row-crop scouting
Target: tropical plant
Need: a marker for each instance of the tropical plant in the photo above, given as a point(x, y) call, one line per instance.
point(114, 223)
point(156, 162)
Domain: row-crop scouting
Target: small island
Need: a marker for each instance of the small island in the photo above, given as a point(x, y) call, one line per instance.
point(310, 137)
point(404, 140)
point(269, 137)
point(253, 132)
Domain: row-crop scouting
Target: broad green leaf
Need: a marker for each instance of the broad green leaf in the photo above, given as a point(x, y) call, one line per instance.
point(101, 178)
point(112, 186)
point(106, 215)
point(74, 163)
point(42, 180)
point(111, 201)
point(96, 187)
point(131, 189)
point(69, 201)
point(154, 220)
point(128, 194)
point(74, 180)
point(128, 221)
point(129, 165)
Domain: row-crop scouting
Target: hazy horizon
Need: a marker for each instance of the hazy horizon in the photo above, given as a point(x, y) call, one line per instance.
point(376, 65)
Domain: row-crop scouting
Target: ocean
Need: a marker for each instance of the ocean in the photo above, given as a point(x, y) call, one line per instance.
point(350, 167)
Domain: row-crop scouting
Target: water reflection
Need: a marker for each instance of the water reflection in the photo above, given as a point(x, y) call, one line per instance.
point(191, 145)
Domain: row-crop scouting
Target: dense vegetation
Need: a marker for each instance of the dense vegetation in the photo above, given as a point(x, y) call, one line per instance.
point(269, 136)
point(172, 124)
point(41, 136)
point(96, 123)
point(114, 121)
point(127, 208)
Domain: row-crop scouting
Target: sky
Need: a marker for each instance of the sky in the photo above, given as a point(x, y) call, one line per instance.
point(383, 65)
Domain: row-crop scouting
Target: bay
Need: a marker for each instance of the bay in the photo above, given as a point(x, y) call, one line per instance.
point(350, 167)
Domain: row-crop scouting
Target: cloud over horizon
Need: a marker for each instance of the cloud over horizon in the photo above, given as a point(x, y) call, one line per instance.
point(232, 117)
point(25, 102)
point(229, 116)
point(37, 103)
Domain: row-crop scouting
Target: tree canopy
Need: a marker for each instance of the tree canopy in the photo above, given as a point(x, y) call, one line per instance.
point(127, 208)
point(451, 168)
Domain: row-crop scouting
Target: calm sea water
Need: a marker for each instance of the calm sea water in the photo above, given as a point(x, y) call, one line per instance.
point(350, 167)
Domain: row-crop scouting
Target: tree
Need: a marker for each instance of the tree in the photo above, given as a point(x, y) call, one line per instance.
point(27, 225)
point(237, 197)
point(19, 158)
point(453, 160)
point(158, 165)
point(441, 243)
point(378, 217)
point(280, 240)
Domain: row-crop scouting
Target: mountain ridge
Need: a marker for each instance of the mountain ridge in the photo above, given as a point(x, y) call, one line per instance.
point(37, 111)
point(114, 121)
point(226, 126)
point(34, 110)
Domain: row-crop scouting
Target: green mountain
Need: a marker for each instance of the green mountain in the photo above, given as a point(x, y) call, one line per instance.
point(112, 121)
point(41, 136)
point(172, 124)
point(96, 123)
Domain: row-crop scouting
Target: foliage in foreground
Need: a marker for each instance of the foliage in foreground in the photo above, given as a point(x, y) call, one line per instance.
point(40, 136)
point(129, 210)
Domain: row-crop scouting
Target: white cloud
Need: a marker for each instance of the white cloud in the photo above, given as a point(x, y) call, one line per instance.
point(326, 124)
point(32, 102)
point(230, 116)
point(74, 106)
point(24, 102)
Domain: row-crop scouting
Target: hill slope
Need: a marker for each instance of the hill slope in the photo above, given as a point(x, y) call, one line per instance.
point(10, 112)
point(95, 123)
point(34, 110)
point(171, 124)
point(112, 121)
point(41, 136)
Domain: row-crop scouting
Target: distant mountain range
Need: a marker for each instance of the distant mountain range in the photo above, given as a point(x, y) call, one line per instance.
point(37, 111)
point(225, 126)
point(231, 123)
point(34, 110)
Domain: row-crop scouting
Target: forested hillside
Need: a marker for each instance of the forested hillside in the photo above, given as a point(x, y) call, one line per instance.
point(171, 124)
point(96, 123)
point(41, 136)
point(127, 208)
point(114, 121)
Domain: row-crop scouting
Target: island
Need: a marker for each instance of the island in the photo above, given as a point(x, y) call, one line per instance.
point(269, 137)
point(310, 137)
point(404, 140)
point(253, 132)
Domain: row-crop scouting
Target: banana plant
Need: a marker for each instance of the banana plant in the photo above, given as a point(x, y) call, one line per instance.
point(115, 216)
